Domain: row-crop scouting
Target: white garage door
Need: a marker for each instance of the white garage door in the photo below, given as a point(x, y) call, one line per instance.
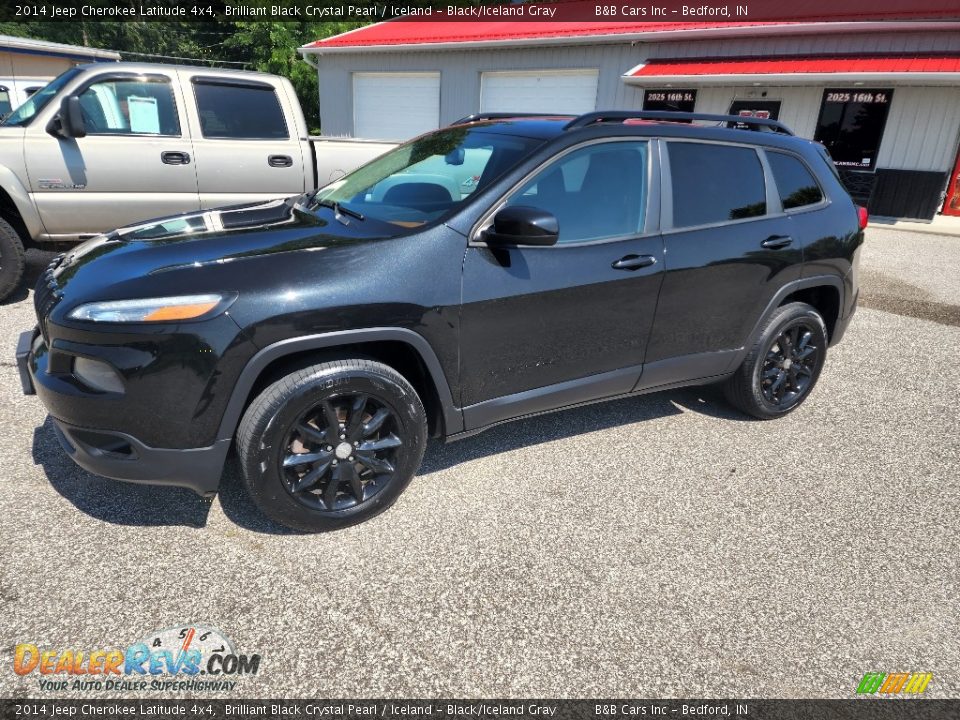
point(557, 91)
point(395, 106)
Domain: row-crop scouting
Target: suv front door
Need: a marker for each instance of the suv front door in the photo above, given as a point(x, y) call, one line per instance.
point(544, 327)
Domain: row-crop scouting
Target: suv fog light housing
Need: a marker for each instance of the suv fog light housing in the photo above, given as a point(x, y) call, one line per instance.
point(97, 375)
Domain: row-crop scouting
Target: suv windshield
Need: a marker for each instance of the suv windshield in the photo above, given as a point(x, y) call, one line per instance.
point(427, 178)
point(26, 112)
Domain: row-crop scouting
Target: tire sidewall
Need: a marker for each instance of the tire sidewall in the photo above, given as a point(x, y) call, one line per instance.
point(789, 316)
point(11, 259)
point(264, 480)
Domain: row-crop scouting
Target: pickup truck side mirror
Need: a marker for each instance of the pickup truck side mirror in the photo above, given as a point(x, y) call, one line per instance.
point(68, 123)
point(522, 225)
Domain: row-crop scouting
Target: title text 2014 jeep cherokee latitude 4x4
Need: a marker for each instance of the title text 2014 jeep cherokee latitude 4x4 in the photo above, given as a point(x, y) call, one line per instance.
point(493, 269)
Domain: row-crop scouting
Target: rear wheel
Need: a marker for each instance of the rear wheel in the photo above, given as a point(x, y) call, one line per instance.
point(332, 445)
point(11, 259)
point(783, 365)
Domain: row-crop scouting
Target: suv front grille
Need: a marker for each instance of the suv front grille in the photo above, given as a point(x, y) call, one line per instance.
point(46, 295)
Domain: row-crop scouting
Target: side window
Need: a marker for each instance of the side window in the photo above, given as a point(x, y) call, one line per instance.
point(248, 112)
point(796, 185)
point(144, 106)
point(5, 104)
point(715, 183)
point(596, 192)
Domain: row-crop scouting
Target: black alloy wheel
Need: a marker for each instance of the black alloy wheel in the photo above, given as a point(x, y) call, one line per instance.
point(787, 373)
point(339, 454)
point(782, 365)
point(332, 444)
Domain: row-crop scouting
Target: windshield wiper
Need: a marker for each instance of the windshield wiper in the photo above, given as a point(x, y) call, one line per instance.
point(340, 209)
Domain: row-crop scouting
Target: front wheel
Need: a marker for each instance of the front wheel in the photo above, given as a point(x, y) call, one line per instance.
point(12, 260)
point(783, 365)
point(332, 445)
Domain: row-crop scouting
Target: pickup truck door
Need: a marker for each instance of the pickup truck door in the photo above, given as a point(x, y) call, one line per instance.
point(135, 162)
point(246, 140)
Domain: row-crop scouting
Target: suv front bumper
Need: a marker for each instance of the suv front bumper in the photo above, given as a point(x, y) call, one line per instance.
point(118, 455)
point(24, 343)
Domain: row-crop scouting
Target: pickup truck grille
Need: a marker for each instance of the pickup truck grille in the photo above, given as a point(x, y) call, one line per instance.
point(46, 295)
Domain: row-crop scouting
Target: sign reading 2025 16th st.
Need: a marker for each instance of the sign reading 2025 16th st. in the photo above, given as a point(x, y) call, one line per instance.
point(187, 658)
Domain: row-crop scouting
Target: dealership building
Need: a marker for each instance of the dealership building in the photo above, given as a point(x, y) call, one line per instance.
point(27, 65)
point(884, 97)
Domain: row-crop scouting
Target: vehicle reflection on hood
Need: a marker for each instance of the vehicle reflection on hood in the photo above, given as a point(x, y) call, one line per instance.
point(259, 215)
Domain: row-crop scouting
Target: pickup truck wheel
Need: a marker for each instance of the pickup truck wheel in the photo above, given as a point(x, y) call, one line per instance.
point(783, 365)
point(332, 445)
point(11, 259)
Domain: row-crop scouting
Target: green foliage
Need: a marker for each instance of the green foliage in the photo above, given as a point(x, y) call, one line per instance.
point(271, 47)
point(251, 45)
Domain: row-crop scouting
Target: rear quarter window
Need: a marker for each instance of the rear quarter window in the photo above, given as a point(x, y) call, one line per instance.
point(795, 183)
point(715, 183)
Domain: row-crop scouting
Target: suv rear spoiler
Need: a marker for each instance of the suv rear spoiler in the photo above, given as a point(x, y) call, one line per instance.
point(620, 115)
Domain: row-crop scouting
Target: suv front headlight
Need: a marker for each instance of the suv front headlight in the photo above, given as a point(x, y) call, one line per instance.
point(143, 310)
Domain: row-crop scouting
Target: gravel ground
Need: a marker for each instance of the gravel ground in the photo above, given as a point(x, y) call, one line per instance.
point(658, 546)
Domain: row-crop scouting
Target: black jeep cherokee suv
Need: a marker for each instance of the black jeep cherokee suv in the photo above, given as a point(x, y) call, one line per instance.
point(497, 268)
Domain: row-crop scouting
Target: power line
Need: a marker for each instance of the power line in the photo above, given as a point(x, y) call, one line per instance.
point(177, 57)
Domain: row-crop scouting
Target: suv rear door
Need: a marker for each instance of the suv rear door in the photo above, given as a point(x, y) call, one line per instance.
point(534, 318)
point(245, 140)
point(729, 248)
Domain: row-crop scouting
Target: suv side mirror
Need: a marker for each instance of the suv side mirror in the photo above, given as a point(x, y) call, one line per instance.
point(68, 123)
point(523, 225)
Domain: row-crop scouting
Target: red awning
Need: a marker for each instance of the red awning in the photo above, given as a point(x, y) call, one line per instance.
point(937, 67)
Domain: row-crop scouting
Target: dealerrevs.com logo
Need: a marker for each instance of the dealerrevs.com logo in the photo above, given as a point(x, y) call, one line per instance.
point(888, 684)
point(185, 658)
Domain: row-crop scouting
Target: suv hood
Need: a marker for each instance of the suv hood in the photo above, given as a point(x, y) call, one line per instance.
point(201, 239)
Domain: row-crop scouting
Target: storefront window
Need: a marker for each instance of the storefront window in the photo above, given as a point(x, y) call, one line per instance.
point(763, 109)
point(851, 125)
point(670, 100)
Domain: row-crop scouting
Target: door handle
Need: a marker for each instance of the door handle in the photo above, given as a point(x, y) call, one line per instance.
point(633, 262)
point(279, 160)
point(175, 157)
point(775, 242)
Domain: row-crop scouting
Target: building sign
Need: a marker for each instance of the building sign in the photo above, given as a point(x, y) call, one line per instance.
point(763, 109)
point(670, 99)
point(851, 125)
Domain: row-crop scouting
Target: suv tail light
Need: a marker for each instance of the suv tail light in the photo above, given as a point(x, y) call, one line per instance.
point(863, 216)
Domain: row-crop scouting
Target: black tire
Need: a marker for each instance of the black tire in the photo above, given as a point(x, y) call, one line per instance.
point(289, 460)
point(783, 365)
point(12, 259)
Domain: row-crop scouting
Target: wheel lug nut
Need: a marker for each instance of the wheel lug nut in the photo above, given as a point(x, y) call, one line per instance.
point(350, 458)
point(356, 444)
point(343, 437)
point(329, 448)
point(334, 462)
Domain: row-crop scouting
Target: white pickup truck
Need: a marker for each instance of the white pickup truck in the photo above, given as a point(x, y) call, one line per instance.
point(110, 144)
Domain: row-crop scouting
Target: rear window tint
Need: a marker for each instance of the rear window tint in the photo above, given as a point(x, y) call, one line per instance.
point(715, 183)
point(239, 111)
point(796, 185)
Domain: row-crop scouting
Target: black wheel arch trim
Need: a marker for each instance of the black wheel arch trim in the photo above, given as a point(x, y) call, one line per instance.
point(806, 283)
point(452, 416)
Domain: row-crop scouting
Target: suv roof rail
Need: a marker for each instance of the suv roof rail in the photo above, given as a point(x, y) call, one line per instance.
point(620, 115)
point(506, 116)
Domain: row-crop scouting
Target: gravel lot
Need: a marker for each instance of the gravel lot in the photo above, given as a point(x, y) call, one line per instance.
point(659, 546)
